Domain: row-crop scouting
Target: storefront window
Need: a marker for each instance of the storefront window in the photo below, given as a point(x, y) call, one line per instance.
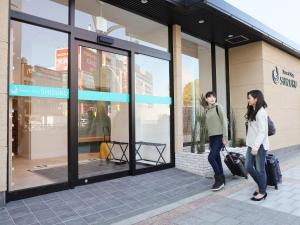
point(48, 9)
point(109, 20)
point(103, 128)
point(152, 121)
point(38, 107)
point(221, 77)
point(196, 81)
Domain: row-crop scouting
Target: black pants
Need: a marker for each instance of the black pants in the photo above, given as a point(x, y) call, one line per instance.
point(214, 158)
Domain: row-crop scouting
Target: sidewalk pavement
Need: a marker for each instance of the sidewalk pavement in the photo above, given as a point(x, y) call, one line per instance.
point(162, 198)
point(232, 206)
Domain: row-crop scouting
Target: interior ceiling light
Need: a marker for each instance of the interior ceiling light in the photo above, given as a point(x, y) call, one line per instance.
point(230, 35)
point(201, 21)
point(144, 1)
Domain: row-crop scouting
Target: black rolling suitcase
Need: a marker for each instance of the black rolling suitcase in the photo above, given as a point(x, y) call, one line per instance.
point(235, 163)
point(274, 176)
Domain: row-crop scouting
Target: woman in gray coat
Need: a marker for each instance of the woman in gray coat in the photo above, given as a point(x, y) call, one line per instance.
point(257, 141)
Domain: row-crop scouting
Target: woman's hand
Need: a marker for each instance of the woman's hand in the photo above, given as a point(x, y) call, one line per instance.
point(254, 151)
point(225, 141)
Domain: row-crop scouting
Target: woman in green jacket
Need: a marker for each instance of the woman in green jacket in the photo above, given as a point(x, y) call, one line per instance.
point(216, 122)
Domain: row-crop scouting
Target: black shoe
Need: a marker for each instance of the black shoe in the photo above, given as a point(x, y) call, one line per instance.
point(219, 184)
point(255, 193)
point(259, 199)
point(215, 183)
point(223, 179)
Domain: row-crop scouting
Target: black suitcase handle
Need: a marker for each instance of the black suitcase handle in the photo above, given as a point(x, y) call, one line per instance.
point(222, 150)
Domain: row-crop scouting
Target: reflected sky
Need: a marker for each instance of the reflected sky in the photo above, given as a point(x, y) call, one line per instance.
point(43, 8)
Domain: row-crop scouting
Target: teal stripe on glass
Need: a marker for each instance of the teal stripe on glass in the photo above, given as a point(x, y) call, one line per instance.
point(38, 91)
point(102, 96)
point(153, 99)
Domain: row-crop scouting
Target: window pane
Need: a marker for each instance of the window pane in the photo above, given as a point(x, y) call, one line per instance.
point(38, 106)
point(56, 10)
point(196, 80)
point(40, 56)
point(112, 21)
point(39, 142)
point(152, 76)
point(152, 121)
point(103, 128)
point(221, 77)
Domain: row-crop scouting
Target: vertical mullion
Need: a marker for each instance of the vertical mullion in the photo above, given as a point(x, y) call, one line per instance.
point(132, 159)
point(72, 103)
point(228, 89)
point(171, 83)
point(213, 67)
point(72, 13)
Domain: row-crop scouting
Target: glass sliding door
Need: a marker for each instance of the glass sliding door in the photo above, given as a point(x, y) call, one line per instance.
point(38, 107)
point(152, 111)
point(103, 99)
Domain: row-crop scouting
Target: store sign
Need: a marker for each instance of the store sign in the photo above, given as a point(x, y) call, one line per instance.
point(88, 60)
point(284, 78)
point(38, 91)
point(61, 59)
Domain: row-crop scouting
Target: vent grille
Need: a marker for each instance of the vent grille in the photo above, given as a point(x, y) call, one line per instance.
point(237, 39)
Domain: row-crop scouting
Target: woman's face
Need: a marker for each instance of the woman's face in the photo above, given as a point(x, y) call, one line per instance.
point(211, 100)
point(251, 101)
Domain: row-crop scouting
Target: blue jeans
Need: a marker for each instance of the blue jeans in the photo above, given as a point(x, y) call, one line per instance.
point(214, 158)
point(255, 165)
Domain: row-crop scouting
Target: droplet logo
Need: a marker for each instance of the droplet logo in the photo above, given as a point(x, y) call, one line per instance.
point(275, 76)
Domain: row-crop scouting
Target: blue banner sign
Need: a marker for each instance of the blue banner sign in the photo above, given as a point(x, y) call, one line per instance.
point(63, 93)
point(102, 96)
point(148, 99)
point(38, 91)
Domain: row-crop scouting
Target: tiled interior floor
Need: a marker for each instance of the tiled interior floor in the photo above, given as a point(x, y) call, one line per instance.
point(29, 173)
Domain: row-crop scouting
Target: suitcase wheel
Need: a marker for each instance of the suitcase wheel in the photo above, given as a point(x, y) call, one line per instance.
point(276, 187)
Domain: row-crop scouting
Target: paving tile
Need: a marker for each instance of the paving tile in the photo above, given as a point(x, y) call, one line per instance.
point(94, 218)
point(67, 214)
point(44, 214)
point(38, 206)
point(7, 222)
point(25, 220)
point(49, 197)
point(18, 212)
point(34, 200)
point(228, 221)
point(51, 221)
point(4, 216)
point(85, 211)
point(55, 203)
point(76, 222)
point(109, 214)
point(296, 212)
point(14, 204)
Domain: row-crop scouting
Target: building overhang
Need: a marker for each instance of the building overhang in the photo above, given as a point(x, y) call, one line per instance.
point(211, 20)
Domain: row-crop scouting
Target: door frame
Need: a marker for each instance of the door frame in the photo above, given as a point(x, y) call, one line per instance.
point(74, 108)
point(78, 35)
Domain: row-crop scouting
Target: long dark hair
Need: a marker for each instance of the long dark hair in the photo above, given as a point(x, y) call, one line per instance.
point(251, 113)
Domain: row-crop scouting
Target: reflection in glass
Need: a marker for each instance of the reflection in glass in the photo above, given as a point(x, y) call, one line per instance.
point(56, 10)
point(196, 80)
point(109, 20)
point(221, 76)
point(102, 112)
point(38, 135)
point(40, 56)
point(152, 121)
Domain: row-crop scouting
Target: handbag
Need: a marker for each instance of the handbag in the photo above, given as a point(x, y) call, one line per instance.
point(271, 127)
